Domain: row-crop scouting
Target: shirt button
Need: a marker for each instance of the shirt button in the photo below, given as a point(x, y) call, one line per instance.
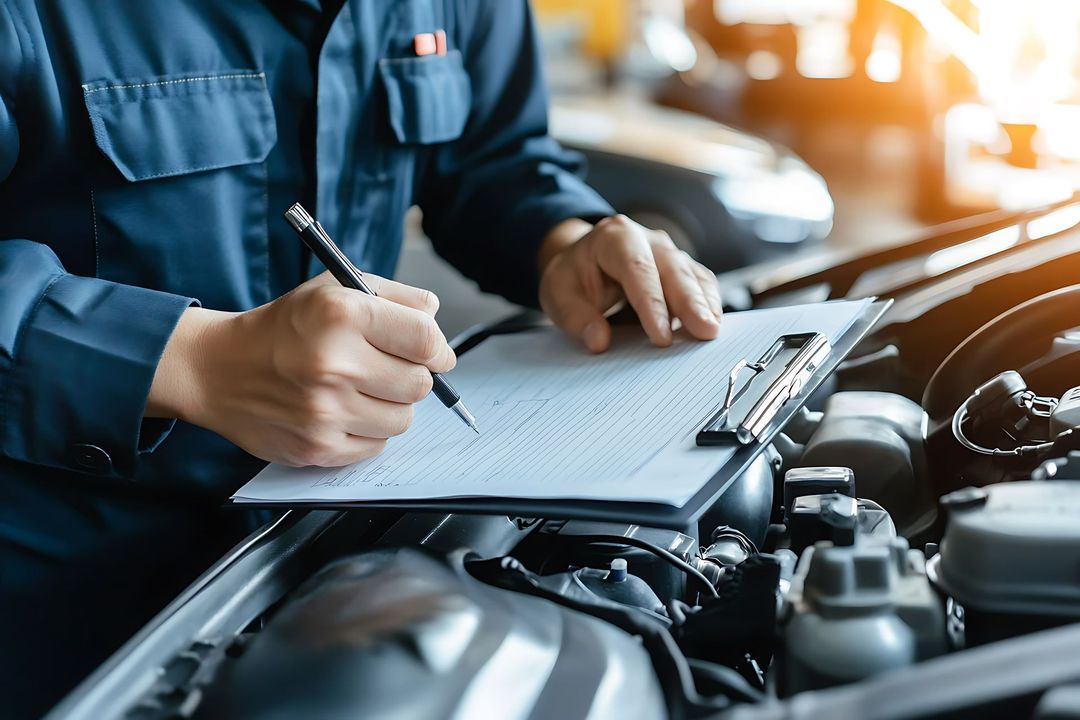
point(91, 458)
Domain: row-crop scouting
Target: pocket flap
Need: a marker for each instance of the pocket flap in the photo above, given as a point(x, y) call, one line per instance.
point(178, 124)
point(429, 97)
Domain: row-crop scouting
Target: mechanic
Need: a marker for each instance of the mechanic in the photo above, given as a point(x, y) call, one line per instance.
point(147, 152)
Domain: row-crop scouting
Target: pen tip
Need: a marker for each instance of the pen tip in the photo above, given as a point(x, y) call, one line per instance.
point(466, 417)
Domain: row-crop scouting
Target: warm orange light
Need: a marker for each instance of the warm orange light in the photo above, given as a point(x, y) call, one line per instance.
point(1029, 55)
point(1024, 55)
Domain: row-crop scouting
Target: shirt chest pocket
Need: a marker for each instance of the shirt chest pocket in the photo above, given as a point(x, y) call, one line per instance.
point(180, 197)
point(428, 97)
point(425, 101)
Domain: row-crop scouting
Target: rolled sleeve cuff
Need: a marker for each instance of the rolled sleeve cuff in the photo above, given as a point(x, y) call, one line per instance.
point(532, 220)
point(82, 372)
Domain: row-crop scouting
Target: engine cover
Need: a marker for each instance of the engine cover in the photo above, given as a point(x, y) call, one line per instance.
point(399, 633)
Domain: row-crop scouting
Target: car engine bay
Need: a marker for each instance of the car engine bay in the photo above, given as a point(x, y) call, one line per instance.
point(908, 547)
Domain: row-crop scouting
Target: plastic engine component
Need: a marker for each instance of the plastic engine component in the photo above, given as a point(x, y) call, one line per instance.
point(1010, 556)
point(615, 585)
point(835, 517)
point(398, 633)
point(858, 610)
point(816, 481)
point(880, 437)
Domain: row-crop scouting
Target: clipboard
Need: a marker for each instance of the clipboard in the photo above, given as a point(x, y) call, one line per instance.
point(811, 376)
point(779, 376)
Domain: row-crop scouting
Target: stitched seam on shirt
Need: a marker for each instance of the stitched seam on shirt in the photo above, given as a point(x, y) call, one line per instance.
point(202, 168)
point(205, 78)
point(123, 100)
point(97, 246)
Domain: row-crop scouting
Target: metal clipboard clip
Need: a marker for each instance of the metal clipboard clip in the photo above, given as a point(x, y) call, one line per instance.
point(787, 365)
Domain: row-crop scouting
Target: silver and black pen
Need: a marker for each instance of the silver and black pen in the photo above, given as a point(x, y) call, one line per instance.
point(328, 253)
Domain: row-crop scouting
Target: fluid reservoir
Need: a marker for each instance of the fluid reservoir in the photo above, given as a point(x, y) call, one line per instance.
point(844, 620)
point(1010, 555)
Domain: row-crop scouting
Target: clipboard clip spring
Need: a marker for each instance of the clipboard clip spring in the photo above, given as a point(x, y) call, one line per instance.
point(807, 351)
point(757, 367)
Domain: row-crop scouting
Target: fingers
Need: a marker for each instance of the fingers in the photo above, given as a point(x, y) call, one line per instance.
point(338, 426)
point(407, 295)
point(400, 293)
point(574, 300)
point(371, 417)
point(339, 318)
point(581, 321)
point(711, 288)
point(684, 292)
point(388, 377)
point(333, 451)
point(406, 333)
point(629, 259)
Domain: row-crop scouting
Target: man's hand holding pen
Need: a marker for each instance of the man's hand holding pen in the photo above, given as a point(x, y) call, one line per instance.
point(321, 376)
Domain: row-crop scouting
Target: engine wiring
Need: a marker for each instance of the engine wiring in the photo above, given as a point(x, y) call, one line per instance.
point(690, 570)
point(961, 416)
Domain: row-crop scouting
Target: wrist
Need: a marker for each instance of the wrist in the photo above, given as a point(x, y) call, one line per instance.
point(559, 238)
point(179, 386)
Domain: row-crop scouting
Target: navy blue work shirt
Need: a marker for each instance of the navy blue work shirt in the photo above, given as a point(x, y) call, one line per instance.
point(147, 152)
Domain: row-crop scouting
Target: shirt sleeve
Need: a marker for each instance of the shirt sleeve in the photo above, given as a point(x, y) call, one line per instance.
point(490, 197)
point(77, 354)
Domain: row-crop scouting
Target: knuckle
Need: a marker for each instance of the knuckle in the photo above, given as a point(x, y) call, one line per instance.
point(687, 271)
point(641, 262)
point(662, 237)
point(419, 384)
point(399, 420)
point(315, 450)
point(315, 411)
point(319, 367)
point(332, 305)
point(429, 340)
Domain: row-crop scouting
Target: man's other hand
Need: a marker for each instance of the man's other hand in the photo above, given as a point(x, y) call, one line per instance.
point(581, 279)
point(320, 376)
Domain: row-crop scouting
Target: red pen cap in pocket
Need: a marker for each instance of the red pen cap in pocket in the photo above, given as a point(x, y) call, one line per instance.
point(425, 44)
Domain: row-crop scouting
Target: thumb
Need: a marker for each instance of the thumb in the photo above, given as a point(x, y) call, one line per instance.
point(581, 320)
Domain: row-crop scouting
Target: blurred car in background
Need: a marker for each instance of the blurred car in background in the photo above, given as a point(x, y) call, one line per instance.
point(726, 197)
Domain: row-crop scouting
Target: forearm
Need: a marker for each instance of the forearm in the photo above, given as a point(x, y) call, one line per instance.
point(177, 389)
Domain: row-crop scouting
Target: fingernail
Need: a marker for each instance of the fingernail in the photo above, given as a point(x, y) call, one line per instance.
point(593, 336)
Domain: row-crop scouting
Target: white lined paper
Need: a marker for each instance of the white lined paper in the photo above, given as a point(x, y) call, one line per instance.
point(559, 423)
